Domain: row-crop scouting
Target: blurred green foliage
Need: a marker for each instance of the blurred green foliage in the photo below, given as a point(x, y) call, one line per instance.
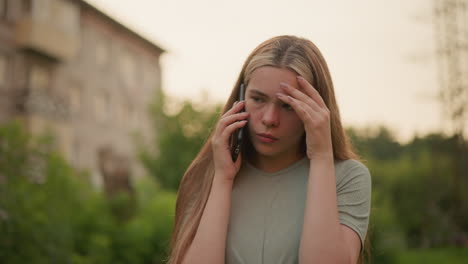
point(434, 256)
point(179, 138)
point(415, 200)
point(49, 213)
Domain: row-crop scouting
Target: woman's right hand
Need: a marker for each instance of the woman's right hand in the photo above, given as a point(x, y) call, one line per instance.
point(229, 122)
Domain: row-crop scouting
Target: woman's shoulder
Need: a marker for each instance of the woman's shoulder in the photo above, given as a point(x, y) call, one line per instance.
point(350, 164)
point(351, 170)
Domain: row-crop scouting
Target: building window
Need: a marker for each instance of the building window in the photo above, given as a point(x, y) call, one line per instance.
point(3, 70)
point(128, 69)
point(76, 153)
point(65, 141)
point(115, 109)
point(26, 7)
point(135, 119)
point(41, 10)
point(3, 8)
point(76, 99)
point(148, 77)
point(68, 16)
point(98, 107)
point(107, 107)
point(102, 107)
point(39, 77)
point(124, 113)
point(102, 53)
point(83, 45)
point(128, 111)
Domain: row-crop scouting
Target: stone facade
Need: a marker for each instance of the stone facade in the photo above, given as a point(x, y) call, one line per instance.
point(68, 68)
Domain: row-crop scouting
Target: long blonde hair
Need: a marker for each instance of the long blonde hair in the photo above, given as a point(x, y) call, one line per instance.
point(297, 54)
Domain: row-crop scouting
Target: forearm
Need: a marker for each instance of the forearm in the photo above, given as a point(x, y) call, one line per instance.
point(321, 239)
point(209, 243)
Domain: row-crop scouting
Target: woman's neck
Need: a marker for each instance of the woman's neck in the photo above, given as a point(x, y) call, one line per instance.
point(274, 163)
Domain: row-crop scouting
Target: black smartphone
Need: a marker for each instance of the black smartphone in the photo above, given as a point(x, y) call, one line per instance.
point(236, 137)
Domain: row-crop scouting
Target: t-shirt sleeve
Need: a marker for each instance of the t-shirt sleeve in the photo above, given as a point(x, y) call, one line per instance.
point(353, 191)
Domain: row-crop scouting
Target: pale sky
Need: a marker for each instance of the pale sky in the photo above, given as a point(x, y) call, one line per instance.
point(380, 52)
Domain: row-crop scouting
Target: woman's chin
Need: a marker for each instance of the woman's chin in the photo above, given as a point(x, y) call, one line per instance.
point(265, 152)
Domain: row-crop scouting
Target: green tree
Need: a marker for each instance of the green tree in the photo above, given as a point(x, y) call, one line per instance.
point(49, 213)
point(179, 138)
point(377, 142)
point(41, 197)
point(414, 201)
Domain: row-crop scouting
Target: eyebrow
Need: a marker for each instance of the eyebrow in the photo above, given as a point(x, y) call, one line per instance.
point(258, 92)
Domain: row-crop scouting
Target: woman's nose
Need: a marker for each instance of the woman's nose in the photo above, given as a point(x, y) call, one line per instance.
point(271, 116)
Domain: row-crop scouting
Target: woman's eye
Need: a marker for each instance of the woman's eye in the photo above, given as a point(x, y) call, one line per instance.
point(287, 107)
point(257, 99)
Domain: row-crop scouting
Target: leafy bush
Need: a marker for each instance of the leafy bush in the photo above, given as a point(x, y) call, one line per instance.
point(49, 213)
point(180, 137)
point(433, 256)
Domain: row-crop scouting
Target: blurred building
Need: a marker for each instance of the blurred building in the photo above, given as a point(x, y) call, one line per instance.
point(68, 68)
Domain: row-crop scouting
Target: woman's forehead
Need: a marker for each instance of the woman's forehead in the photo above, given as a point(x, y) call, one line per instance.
point(267, 79)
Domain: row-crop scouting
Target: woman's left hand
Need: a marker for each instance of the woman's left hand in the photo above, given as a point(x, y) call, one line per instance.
point(311, 109)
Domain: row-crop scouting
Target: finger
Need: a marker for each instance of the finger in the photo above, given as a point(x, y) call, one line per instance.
point(238, 161)
point(235, 108)
point(304, 111)
point(311, 91)
point(227, 120)
point(222, 123)
point(230, 129)
point(296, 93)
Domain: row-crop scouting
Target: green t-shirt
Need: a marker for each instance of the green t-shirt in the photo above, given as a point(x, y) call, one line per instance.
point(267, 210)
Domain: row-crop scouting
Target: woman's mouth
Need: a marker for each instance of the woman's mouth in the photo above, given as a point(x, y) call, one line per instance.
point(266, 138)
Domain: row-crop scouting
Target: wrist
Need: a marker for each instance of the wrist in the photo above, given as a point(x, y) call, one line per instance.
point(222, 180)
point(322, 157)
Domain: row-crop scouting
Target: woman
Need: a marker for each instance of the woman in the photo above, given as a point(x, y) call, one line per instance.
point(296, 194)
